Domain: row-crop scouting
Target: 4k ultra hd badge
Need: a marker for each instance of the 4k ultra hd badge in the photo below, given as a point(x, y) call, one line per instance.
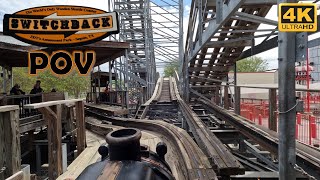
point(297, 17)
point(60, 26)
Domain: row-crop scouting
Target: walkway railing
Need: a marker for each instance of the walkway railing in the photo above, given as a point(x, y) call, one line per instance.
point(117, 98)
point(22, 100)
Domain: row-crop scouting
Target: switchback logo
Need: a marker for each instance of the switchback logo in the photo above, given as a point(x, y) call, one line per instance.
point(61, 26)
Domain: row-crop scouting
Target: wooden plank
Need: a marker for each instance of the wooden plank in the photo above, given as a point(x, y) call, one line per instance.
point(110, 110)
point(2, 146)
point(80, 123)
point(266, 138)
point(272, 109)
point(14, 153)
point(237, 97)
point(226, 98)
point(30, 119)
point(213, 68)
point(9, 143)
point(51, 103)
point(16, 176)
point(58, 136)
point(228, 43)
point(88, 156)
point(8, 108)
point(54, 140)
point(111, 170)
point(70, 126)
point(217, 95)
point(32, 125)
point(52, 96)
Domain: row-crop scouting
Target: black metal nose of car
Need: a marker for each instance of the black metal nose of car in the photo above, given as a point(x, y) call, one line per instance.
point(124, 144)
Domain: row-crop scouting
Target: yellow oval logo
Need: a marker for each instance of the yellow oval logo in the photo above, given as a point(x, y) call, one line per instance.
point(60, 26)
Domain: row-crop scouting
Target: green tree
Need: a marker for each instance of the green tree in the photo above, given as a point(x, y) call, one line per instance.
point(73, 83)
point(252, 64)
point(170, 68)
point(21, 77)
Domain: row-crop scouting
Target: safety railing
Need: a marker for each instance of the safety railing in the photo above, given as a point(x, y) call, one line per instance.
point(22, 100)
point(260, 105)
point(117, 98)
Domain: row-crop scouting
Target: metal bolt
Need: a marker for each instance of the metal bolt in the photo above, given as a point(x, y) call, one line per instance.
point(2, 169)
point(279, 41)
point(280, 59)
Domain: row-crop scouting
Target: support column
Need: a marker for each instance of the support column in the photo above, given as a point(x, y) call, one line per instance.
point(272, 109)
point(99, 88)
point(242, 144)
point(10, 153)
point(217, 95)
point(80, 123)
point(53, 117)
point(4, 74)
point(110, 84)
point(235, 74)
point(226, 103)
point(38, 159)
point(237, 96)
point(287, 100)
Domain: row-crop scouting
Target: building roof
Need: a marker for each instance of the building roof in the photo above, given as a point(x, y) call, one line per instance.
point(14, 53)
point(103, 74)
point(104, 78)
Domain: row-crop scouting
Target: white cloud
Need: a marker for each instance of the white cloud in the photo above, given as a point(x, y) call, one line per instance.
point(187, 8)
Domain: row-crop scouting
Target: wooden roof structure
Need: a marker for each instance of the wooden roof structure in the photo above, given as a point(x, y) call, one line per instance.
point(14, 53)
point(103, 76)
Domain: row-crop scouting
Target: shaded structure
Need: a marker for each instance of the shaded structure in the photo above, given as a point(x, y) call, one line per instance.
point(105, 90)
point(51, 131)
point(14, 53)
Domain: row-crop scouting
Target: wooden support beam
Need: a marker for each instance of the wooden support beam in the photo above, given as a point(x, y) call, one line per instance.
point(70, 126)
point(51, 103)
point(204, 79)
point(213, 27)
point(228, 43)
point(217, 95)
point(213, 68)
point(16, 176)
point(10, 153)
point(226, 104)
point(32, 125)
point(53, 117)
point(80, 122)
point(30, 139)
point(237, 96)
point(256, 19)
point(272, 109)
